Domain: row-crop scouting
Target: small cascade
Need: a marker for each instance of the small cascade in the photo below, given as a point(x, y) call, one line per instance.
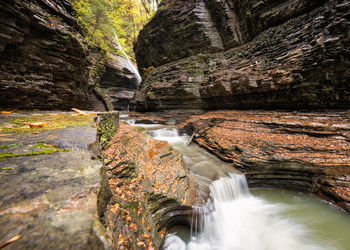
point(234, 219)
point(132, 66)
point(170, 135)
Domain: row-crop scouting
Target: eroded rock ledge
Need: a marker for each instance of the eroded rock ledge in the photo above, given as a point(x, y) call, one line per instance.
point(150, 187)
point(51, 200)
point(293, 150)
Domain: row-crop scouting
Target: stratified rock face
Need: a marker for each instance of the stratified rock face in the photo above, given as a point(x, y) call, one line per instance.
point(179, 29)
point(44, 61)
point(276, 54)
point(151, 188)
point(52, 200)
point(299, 151)
point(119, 83)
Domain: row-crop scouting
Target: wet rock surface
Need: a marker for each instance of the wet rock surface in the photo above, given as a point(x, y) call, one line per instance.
point(151, 189)
point(45, 62)
point(118, 84)
point(284, 54)
point(294, 150)
point(50, 200)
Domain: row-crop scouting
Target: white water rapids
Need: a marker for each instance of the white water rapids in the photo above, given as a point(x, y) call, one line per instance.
point(234, 219)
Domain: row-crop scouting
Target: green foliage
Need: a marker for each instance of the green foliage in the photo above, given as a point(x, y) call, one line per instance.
point(101, 17)
point(146, 71)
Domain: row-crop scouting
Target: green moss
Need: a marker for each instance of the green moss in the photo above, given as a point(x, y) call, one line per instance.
point(124, 140)
point(41, 145)
point(7, 168)
point(10, 146)
point(140, 129)
point(53, 121)
point(41, 152)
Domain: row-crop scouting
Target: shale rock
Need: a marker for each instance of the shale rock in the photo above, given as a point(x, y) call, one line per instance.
point(299, 151)
point(45, 62)
point(118, 84)
point(151, 189)
point(275, 54)
point(52, 200)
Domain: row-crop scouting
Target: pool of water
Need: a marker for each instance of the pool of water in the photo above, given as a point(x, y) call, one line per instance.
point(323, 222)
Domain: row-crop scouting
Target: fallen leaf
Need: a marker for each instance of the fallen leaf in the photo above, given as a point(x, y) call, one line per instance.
point(141, 243)
point(6, 112)
point(10, 241)
point(79, 111)
point(37, 124)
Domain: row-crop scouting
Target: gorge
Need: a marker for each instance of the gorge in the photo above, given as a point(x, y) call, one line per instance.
point(233, 94)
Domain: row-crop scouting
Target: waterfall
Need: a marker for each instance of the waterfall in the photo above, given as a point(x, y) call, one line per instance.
point(134, 69)
point(234, 219)
point(167, 134)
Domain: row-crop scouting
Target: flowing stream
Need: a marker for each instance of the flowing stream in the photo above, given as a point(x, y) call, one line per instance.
point(231, 217)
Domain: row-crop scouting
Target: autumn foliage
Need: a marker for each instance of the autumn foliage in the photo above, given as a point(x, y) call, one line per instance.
point(141, 171)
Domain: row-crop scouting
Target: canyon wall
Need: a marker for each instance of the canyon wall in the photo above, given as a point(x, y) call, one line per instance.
point(225, 54)
point(45, 61)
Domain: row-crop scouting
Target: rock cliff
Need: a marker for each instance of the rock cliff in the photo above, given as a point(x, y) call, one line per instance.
point(223, 54)
point(118, 84)
point(292, 150)
point(45, 62)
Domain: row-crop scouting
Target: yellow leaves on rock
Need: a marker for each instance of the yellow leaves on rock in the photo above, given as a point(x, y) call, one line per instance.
point(79, 112)
point(162, 233)
point(140, 243)
point(146, 236)
point(133, 226)
point(13, 239)
point(261, 136)
point(151, 166)
point(37, 124)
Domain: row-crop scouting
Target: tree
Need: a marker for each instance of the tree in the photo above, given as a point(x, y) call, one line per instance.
point(102, 17)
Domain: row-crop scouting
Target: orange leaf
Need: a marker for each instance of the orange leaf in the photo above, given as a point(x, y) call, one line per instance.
point(37, 124)
point(10, 241)
point(141, 243)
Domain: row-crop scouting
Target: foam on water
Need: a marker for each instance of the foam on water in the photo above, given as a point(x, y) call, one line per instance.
point(168, 134)
point(235, 219)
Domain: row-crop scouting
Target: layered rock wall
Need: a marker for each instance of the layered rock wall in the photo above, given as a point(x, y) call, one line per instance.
point(292, 150)
point(151, 189)
point(118, 84)
point(275, 54)
point(45, 63)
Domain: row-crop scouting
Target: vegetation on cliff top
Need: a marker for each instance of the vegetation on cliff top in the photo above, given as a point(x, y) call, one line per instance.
point(126, 17)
